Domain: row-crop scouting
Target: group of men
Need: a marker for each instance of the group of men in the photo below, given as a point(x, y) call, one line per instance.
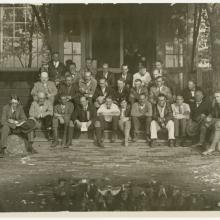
point(91, 101)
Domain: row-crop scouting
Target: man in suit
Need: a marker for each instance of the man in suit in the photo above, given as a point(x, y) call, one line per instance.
point(136, 91)
point(160, 88)
point(189, 92)
point(56, 68)
point(200, 109)
point(73, 72)
point(101, 92)
point(89, 68)
point(162, 118)
point(62, 118)
point(122, 92)
point(84, 113)
point(110, 78)
point(126, 76)
point(15, 121)
point(70, 89)
point(44, 86)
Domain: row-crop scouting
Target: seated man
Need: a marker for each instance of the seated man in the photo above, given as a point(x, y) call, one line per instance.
point(70, 89)
point(136, 91)
point(162, 118)
point(143, 75)
point(212, 124)
point(45, 86)
point(62, 117)
point(101, 92)
point(15, 121)
point(126, 76)
point(84, 117)
point(189, 92)
point(125, 120)
point(160, 88)
point(107, 113)
point(110, 78)
point(122, 92)
point(42, 111)
point(200, 109)
point(181, 114)
point(87, 85)
point(141, 112)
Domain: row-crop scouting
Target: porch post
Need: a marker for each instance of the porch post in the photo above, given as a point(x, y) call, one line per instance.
point(121, 41)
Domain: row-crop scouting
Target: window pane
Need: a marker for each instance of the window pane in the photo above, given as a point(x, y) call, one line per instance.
point(76, 47)
point(169, 48)
point(171, 61)
point(20, 30)
point(8, 15)
point(7, 45)
point(68, 48)
point(180, 60)
point(19, 14)
point(8, 30)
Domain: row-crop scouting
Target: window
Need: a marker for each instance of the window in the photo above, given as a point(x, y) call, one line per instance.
point(174, 53)
point(20, 39)
point(72, 42)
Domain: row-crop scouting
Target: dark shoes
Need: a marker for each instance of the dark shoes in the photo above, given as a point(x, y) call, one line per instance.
point(171, 143)
point(100, 144)
point(153, 143)
point(54, 144)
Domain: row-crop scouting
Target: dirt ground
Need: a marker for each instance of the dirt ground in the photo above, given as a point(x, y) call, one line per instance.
point(26, 181)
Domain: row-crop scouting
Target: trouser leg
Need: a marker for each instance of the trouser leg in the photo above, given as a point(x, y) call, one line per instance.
point(136, 126)
point(70, 133)
point(154, 128)
point(98, 131)
point(4, 135)
point(127, 128)
point(170, 128)
point(177, 127)
point(183, 123)
point(216, 137)
point(65, 132)
point(147, 125)
point(115, 120)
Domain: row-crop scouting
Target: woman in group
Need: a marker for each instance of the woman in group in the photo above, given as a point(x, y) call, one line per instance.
point(125, 120)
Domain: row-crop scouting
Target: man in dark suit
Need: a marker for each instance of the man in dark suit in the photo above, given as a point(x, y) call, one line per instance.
point(84, 113)
point(56, 69)
point(102, 91)
point(162, 118)
point(189, 92)
point(122, 92)
point(126, 76)
point(110, 78)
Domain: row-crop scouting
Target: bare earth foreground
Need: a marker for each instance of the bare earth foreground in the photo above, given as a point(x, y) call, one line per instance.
point(27, 182)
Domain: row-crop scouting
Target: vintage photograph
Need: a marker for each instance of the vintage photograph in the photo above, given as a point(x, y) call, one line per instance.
point(109, 107)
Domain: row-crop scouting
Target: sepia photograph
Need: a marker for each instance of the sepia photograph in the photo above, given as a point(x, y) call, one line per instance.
point(109, 107)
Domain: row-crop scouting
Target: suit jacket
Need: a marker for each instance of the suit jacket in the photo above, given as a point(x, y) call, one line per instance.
point(154, 92)
point(109, 92)
point(136, 111)
point(168, 114)
point(72, 91)
point(82, 116)
point(69, 108)
point(187, 95)
point(56, 72)
point(19, 114)
point(87, 89)
point(39, 87)
point(203, 108)
point(121, 95)
point(128, 80)
point(134, 94)
point(110, 78)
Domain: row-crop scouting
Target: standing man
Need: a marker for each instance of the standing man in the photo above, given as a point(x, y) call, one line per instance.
point(110, 79)
point(44, 86)
point(126, 76)
point(162, 118)
point(56, 68)
point(107, 113)
point(143, 75)
point(62, 117)
point(141, 113)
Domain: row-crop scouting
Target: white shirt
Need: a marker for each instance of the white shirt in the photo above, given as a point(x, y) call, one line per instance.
point(193, 93)
point(146, 78)
point(108, 112)
point(56, 63)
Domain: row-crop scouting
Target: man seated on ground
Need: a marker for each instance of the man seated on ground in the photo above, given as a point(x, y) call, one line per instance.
point(126, 76)
point(70, 89)
point(125, 120)
point(162, 119)
point(189, 92)
point(181, 114)
point(200, 109)
point(136, 91)
point(121, 92)
point(211, 125)
point(101, 92)
point(107, 113)
point(84, 117)
point(44, 86)
point(73, 72)
point(56, 68)
point(160, 88)
point(141, 113)
point(143, 75)
point(87, 85)
point(110, 78)
point(42, 111)
point(62, 118)
point(15, 121)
